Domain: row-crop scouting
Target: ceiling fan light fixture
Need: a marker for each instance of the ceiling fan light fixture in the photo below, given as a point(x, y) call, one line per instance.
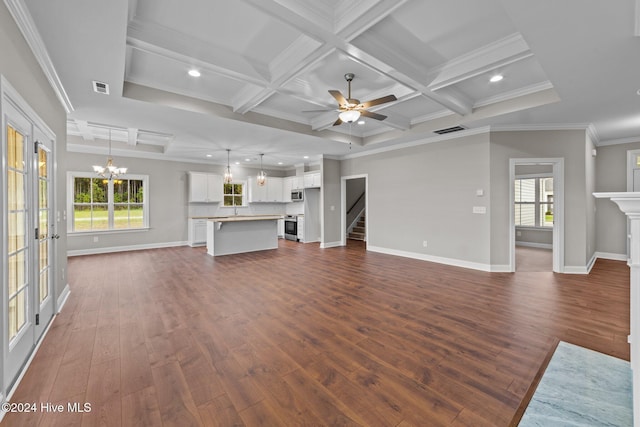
point(349, 116)
point(496, 78)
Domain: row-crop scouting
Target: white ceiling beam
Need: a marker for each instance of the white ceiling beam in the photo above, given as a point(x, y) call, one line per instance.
point(171, 44)
point(132, 136)
point(495, 55)
point(85, 130)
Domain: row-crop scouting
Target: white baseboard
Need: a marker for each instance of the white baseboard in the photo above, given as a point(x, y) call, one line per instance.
point(432, 258)
point(330, 245)
point(535, 245)
point(62, 299)
point(612, 256)
point(95, 251)
point(501, 268)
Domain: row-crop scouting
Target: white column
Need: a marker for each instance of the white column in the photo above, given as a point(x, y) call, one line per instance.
point(629, 203)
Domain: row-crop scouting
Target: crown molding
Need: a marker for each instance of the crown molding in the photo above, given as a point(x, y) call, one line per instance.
point(24, 21)
point(619, 141)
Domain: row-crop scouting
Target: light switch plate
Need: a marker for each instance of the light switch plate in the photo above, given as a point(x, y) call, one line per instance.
point(479, 210)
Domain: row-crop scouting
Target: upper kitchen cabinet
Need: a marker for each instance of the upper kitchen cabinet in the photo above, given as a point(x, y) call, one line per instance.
point(312, 180)
point(271, 192)
point(205, 187)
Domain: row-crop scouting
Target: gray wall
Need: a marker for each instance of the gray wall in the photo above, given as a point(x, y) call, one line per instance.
point(568, 144)
point(330, 202)
point(168, 200)
point(19, 67)
point(427, 192)
point(611, 176)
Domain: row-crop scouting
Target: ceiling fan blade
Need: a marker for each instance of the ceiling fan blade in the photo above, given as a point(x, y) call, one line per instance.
point(379, 101)
point(339, 97)
point(319, 111)
point(371, 115)
point(337, 122)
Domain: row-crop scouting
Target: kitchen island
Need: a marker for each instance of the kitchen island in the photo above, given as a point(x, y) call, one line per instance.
point(239, 234)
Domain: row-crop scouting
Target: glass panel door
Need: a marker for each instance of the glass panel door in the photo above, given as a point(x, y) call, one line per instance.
point(18, 245)
point(46, 236)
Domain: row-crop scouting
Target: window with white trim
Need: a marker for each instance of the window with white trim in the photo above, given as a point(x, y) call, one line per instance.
point(534, 202)
point(99, 204)
point(234, 194)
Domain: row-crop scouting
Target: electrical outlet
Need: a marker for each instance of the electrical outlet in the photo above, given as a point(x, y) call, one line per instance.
point(95, 239)
point(519, 233)
point(424, 243)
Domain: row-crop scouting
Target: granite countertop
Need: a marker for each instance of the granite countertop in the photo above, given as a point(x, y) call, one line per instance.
point(236, 218)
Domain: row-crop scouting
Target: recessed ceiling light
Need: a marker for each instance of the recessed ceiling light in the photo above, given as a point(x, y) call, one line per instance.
point(237, 163)
point(306, 157)
point(209, 155)
point(638, 92)
point(360, 122)
point(496, 78)
point(194, 73)
point(279, 163)
point(247, 160)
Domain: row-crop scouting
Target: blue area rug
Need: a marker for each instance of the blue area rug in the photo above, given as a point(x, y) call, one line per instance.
point(582, 387)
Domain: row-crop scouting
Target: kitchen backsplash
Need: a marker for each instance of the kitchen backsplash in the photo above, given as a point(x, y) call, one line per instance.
point(210, 210)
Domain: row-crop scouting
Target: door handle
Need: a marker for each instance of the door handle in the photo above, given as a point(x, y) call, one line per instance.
point(55, 236)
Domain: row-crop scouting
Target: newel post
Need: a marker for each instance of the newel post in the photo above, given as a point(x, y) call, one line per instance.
point(629, 203)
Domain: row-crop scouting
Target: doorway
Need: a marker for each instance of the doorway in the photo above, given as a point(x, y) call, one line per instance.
point(354, 208)
point(536, 205)
point(27, 181)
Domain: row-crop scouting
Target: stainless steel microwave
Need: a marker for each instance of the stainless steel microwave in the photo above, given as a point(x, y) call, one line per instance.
point(297, 195)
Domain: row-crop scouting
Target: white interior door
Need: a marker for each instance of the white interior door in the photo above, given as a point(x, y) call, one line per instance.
point(18, 244)
point(46, 235)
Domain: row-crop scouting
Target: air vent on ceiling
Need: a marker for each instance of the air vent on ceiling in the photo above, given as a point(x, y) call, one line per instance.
point(100, 87)
point(449, 130)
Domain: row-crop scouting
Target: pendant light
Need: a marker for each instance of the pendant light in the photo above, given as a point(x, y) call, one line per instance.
point(227, 175)
point(109, 171)
point(262, 176)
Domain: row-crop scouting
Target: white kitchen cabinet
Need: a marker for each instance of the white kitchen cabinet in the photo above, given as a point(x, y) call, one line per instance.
point(197, 233)
point(205, 187)
point(271, 192)
point(274, 190)
point(301, 228)
point(312, 180)
point(297, 182)
point(287, 186)
point(281, 228)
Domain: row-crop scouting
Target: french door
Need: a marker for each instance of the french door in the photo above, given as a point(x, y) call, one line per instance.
point(27, 297)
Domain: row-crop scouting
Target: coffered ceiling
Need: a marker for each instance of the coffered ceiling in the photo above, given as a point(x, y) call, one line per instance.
point(264, 63)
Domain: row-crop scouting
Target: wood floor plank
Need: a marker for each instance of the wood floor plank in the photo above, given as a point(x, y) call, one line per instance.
point(140, 408)
point(309, 336)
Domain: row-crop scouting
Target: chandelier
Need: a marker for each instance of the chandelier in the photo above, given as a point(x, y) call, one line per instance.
point(227, 174)
point(262, 176)
point(109, 171)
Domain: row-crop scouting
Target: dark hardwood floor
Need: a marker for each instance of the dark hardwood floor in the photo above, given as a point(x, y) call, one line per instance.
point(308, 336)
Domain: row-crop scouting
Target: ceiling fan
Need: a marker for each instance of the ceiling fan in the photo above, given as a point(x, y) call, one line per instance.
point(351, 109)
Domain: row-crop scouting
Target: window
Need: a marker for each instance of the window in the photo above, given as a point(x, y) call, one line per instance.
point(98, 204)
point(534, 202)
point(234, 194)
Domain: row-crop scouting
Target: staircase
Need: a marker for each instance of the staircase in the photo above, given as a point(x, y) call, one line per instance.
point(358, 232)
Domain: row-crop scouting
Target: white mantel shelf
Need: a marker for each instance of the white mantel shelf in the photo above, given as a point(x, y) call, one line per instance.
point(629, 203)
